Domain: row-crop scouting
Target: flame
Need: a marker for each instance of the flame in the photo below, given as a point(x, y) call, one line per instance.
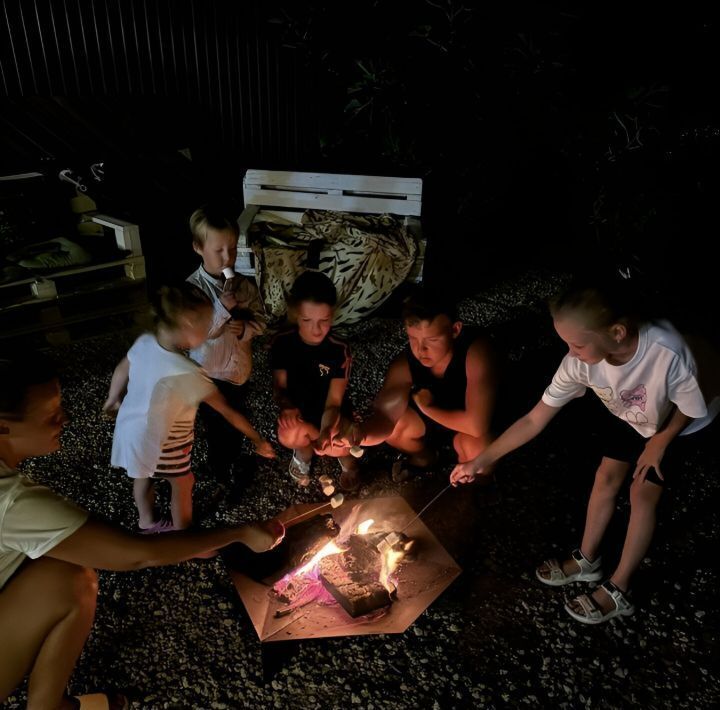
point(390, 562)
point(364, 526)
point(329, 549)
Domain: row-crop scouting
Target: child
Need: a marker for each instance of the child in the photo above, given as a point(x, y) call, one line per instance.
point(646, 376)
point(154, 431)
point(310, 374)
point(226, 355)
point(441, 388)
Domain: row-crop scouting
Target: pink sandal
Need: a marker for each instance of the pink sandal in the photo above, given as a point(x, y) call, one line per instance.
point(161, 526)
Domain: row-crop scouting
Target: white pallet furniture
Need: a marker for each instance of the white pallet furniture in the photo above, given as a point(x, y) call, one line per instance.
point(289, 194)
point(104, 288)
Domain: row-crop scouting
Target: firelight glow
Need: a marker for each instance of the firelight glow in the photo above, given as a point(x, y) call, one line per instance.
point(364, 526)
point(330, 549)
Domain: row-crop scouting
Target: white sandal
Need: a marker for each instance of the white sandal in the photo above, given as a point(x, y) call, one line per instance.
point(588, 572)
point(591, 611)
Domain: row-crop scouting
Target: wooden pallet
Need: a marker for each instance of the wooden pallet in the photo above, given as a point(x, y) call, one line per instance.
point(55, 300)
point(289, 194)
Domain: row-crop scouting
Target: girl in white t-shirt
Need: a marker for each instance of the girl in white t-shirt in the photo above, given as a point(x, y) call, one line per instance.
point(647, 377)
point(156, 390)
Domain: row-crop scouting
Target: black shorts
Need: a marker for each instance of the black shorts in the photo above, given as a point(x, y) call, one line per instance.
point(620, 441)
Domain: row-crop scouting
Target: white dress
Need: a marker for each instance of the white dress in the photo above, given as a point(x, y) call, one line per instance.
point(155, 426)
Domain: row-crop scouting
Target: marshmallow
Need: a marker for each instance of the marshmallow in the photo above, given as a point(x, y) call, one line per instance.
point(356, 451)
point(228, 273)
point(328, 490)
point(337, 500)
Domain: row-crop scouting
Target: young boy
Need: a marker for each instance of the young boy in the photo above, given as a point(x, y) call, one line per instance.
point(442, 385)
point(310, 374)
point(237, 318)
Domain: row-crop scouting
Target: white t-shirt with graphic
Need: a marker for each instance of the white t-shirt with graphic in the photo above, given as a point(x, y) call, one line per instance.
point(641, 391)
point(155, 426)
point(33, 519)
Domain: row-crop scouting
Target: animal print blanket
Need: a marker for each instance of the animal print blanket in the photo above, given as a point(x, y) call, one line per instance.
point(366, 256)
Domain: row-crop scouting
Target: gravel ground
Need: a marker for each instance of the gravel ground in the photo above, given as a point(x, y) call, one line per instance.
point(178, 637)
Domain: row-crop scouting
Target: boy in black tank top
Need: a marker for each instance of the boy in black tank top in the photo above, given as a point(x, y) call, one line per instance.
point(444, 382)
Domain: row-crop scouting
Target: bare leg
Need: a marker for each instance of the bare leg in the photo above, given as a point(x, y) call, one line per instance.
point(46, 613)
point(181, 500)
point(299, 438)
point(408, 436)
point(608, 480)
point(644, 499)
point(144, 494)
point(601, 506)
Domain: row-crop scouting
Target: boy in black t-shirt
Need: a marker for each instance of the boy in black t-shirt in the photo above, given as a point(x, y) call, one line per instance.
point(310, 374)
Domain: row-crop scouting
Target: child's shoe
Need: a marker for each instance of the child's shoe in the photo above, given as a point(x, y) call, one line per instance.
point(299, 470)
point(555, 576)
point(586, 610)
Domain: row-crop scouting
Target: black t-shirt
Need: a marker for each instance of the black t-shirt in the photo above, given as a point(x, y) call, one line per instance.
point(309, 370)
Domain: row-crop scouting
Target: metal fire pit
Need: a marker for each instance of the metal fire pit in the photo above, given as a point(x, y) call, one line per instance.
point(419, 580)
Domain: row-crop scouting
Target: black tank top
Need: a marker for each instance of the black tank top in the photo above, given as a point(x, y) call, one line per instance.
point(449, 390)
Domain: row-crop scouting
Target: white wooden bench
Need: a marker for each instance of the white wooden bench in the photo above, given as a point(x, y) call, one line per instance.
point(289, 194)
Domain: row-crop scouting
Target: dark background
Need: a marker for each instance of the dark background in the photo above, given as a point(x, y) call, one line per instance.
point(550, 134)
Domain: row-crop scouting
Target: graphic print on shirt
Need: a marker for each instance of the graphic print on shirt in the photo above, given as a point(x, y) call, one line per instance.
point(324, 369)
point(636, 397)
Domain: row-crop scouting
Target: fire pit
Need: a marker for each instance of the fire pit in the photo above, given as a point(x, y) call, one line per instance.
point(328, 578)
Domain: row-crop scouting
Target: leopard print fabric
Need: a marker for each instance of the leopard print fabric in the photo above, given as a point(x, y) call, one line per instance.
point(366, 256)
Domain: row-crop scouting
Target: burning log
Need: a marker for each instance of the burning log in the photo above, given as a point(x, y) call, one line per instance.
point(353, 577)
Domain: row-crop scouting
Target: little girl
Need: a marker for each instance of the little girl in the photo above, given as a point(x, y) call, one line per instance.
point(154, 431)
point(647, 377)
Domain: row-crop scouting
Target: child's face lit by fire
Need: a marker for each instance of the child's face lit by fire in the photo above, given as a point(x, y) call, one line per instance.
point(314, 321)
point(431, 342)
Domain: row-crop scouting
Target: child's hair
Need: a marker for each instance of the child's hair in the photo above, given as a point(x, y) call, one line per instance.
point(600, 301)
point(17, 374)
point(312, 286)
point(425, 305)
point(211, 217)
point(172, 301)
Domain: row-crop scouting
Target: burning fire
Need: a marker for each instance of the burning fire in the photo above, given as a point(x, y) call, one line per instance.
point(305, 578)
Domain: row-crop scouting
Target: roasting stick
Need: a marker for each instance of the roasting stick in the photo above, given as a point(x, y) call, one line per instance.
point(394, 537)
point(307, 512)
point(426, 507)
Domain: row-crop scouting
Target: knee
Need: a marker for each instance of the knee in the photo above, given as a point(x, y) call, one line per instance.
point(468, 447)
point(610, 476)
point(77, 587)
point(644, 494)
point(86, 587)
point(287, 436)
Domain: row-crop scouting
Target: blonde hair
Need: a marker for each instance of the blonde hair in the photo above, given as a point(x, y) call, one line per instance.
point(598, 303)
point(210, 217)
point(171, 302)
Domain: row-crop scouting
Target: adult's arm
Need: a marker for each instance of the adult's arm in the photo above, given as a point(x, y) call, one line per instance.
point(102, 546)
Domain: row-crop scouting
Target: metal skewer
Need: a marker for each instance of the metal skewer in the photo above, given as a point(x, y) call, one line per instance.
point(426, 507)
